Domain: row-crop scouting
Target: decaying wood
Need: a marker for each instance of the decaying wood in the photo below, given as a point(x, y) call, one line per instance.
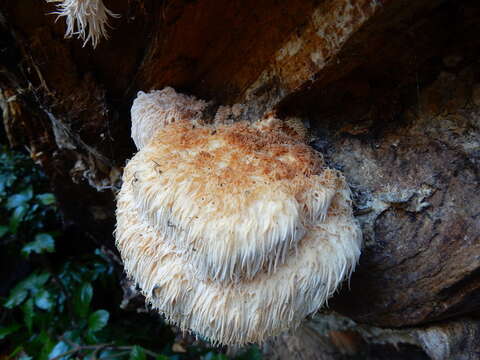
point(389, 88)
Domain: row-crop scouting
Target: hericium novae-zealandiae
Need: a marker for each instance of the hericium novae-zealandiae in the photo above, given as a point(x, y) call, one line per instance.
point(235, 231)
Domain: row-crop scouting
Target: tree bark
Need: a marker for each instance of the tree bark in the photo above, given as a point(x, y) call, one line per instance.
point(389, 88)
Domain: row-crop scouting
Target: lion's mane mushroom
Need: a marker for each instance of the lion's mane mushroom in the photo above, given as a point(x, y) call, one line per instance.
point(236, 232)
point(86, 19)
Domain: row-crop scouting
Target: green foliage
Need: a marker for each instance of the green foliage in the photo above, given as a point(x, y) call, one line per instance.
point(43, 243)
point(98, 320)
point(7, 330)
point(66, 306)
point(82, 298)
point(137, 353)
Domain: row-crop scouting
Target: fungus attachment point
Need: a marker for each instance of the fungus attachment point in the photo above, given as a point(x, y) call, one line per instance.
point(234, 231)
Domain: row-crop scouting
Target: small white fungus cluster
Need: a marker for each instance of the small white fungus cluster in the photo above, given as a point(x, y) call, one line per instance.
point(86, 19)
point(157, 109)
point(234, 231)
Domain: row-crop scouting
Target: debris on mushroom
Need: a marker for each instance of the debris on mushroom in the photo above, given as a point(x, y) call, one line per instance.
point(86, 19)
point(237, 231)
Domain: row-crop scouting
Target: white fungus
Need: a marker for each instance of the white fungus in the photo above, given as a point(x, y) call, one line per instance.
point(237, 231)
point(86, 19)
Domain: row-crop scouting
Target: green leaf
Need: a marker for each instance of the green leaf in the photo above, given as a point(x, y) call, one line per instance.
point(6, 180)
point(33, 208)
point(7, 330)
point(90, 337)
point(28, 192)
point(36, 281)
point(59, 348)
point(98, 320)
point(19, 293)
point(28, 314)
point(43, 300)
point(73, 335)
point(15, 201)
point(17, 217)
point(22, 198)
point(47, 347)
point(83, 297)
point(137, 353)
point(43, 243)
point(16, 353)
point(253, 353)
point(46, 199)
point(3, 230)
point(24, 357)
point(162, 357)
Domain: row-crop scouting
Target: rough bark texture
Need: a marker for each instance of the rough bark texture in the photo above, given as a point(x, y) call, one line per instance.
point(389, 88)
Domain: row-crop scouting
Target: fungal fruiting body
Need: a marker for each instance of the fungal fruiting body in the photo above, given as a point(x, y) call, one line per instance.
point(234, 231)
point(86, 19)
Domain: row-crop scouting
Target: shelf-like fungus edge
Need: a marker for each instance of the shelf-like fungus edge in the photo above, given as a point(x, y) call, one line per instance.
point(236, 232)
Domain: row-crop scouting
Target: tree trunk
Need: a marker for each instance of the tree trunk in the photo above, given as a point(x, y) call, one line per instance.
point(389, 88)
